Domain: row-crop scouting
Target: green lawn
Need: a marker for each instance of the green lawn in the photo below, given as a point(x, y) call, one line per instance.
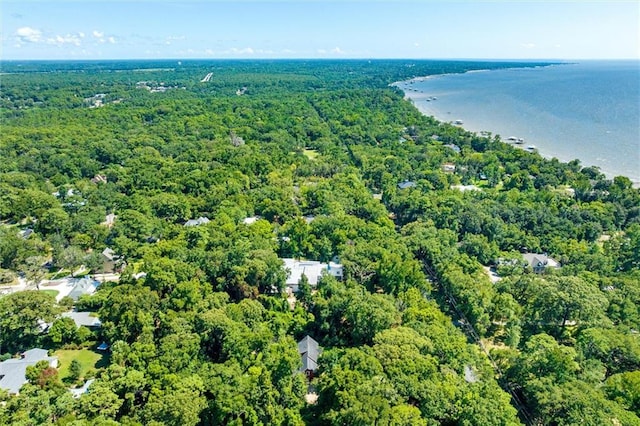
point(54, 292)
point(88, 359)
point(311, 154)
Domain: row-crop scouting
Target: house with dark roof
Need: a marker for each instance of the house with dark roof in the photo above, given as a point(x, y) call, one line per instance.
point(540, 262)
point(13, 371)
point(309, 351)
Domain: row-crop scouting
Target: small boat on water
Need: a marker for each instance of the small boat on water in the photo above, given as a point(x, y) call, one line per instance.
point(531, 147)
point(458, 122)
point(520, 141)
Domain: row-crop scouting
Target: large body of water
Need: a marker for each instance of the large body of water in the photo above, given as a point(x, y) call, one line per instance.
point(589, 110)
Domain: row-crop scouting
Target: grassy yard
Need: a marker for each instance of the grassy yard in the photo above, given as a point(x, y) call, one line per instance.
point(311, 154)
point(88, 359)
point(53, 292)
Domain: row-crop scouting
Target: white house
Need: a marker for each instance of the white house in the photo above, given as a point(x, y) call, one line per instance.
point(197, 222)
point(312, 269)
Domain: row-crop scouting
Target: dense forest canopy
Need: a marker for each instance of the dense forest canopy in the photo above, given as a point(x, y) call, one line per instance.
point(437, 320)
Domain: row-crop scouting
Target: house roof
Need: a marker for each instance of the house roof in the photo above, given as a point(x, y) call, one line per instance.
point(83, 319)
point(195, 222)
point(78, 392)
point(308, 363)
point(26, 233)
point(13, 371)
point(536, 260)
point(83, 286)
point(464, 188)
point(454, 147)
point(309, 351)
point(250, 220)
point(312, 269)
point(109, 254)
point(406, 184)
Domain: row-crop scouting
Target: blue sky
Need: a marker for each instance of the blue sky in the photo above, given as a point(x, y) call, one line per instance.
point(88, 29)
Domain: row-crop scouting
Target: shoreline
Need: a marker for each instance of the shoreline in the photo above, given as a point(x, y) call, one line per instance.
point(419, 99)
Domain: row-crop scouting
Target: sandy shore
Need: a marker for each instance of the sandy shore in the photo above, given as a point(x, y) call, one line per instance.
point(429, 105)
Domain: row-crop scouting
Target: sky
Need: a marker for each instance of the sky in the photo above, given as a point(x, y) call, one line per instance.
point(418, 29)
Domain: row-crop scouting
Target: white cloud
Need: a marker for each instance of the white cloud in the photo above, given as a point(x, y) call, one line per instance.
point(32, 35)
point(245, 51)
point(112, 40)
point(528, 45)
point(28, 35)
point(335, 51)
point(97, 34)
point(66, 39)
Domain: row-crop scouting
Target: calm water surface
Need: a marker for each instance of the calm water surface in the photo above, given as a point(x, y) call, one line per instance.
point(589, 111)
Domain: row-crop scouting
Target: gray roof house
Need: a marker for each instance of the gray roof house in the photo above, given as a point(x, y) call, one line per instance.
point(540, 262)
point(83, 286)
point(309, 351)
point(83, 319)
point(110, 261)
point(406, 184)
point(13, 371)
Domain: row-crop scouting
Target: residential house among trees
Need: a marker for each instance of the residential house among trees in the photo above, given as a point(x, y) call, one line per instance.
point(83, 286)
point(13, 371)
point(540, 262)
point(312, 269)
point(197, 222)
point(309, 351)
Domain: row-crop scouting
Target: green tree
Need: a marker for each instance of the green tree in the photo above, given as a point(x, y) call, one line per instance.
point(75, 370)
point(624, 388)
point(303, 295)
point(62, 331)
point(21, 316)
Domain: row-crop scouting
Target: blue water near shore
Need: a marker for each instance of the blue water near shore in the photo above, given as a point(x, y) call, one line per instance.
point(588, 111)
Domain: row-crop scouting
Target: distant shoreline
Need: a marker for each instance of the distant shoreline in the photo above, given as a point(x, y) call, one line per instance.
point(419, 98)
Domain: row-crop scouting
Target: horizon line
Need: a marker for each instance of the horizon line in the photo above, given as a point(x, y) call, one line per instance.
point(315, 59)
